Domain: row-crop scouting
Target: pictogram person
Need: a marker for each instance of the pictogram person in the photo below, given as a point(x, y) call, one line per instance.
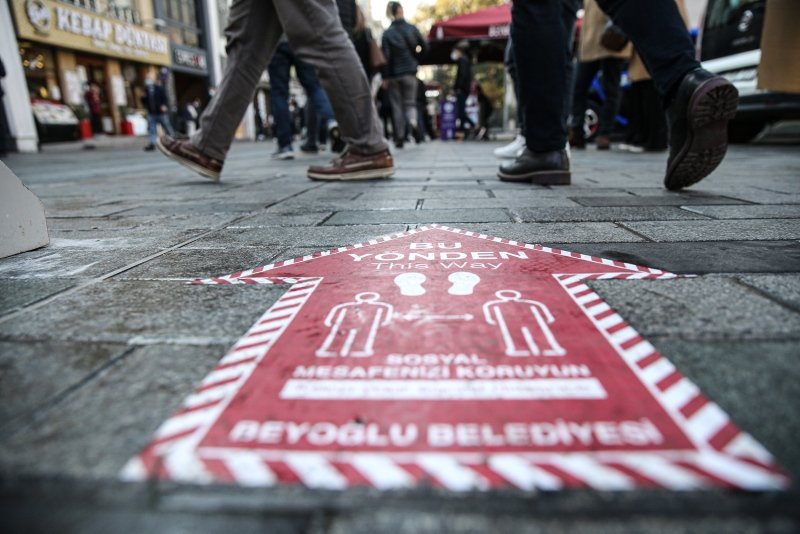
point(354, 326)
point(523, 324)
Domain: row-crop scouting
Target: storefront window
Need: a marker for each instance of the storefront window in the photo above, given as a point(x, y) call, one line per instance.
point(40, 72)
point(182, 18)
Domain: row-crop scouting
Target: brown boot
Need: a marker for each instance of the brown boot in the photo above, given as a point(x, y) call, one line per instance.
point(188, 155)
point(576, 139)
point(603, 142)
point(352, 166)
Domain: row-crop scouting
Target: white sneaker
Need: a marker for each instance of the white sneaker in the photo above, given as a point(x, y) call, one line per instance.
point(512, 150)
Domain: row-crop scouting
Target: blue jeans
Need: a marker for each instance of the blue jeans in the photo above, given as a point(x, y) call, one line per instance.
point(278, 69)
point(155, 119)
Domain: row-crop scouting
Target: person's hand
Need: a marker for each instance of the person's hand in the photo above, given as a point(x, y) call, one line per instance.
point(385, 85)
point(163, 109)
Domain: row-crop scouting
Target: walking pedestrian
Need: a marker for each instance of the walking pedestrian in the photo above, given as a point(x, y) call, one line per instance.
point(92, 99)
point(647, 123)
point(463, 85)
point(157, 105)
point(698, 103)
point(595, 58)
point(279, 67)
point(402, 45)
point(316, 36)
point(569, 9)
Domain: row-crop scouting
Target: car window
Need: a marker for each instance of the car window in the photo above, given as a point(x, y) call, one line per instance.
point(731, 27)
point(724, 12)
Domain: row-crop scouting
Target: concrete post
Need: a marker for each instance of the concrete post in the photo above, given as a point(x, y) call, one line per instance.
point(23, 225)
point(17, 100)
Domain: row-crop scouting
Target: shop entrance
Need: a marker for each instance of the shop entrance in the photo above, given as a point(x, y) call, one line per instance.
point(92, 72)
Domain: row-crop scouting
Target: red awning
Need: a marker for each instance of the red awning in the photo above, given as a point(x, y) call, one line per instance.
point(486, 30)
point(490, 23)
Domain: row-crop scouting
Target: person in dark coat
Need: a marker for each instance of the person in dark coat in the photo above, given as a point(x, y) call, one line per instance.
point(402, 45)
point(157, 105)
point(463, 84)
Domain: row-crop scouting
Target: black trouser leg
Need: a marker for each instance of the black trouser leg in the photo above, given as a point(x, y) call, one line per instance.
point(660, 38)
point(584, 74)
point(538, 34)
point(612, 70)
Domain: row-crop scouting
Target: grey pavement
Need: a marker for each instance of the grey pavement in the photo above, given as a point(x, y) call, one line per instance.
point(101, 338)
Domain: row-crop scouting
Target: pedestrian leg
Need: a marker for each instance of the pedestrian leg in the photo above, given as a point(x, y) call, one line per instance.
point(253, 31)
point(317, 37)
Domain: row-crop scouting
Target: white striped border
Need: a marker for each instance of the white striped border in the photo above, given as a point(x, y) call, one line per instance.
point(607, 471)
point(740, 462)
point(173, 446)
point(247, 277)
point(706, 424)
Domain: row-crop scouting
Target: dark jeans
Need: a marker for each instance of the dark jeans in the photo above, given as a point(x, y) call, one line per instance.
point(611, 69)
point(542, 34)
point(538, 33)
point(278, 69)
point(461, 108)
point(648, 123)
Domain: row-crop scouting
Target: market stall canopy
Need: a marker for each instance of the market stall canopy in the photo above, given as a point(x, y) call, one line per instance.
point(486, 30)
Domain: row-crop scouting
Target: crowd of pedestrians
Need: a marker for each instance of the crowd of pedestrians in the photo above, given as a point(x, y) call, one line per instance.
point(673, 102)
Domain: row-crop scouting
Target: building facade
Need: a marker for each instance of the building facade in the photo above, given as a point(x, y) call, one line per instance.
point(67, 46)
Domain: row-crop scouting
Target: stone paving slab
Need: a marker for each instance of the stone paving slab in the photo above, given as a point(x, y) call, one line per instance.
point(524, 202)
point(69, 262)
point(16, 294)
point(732, 230)
point(322, 236)
point(555, 232)
point(94, 431)
point(748, 212)
point(419, 216)
point(191, 264)
point(36, 374)
point(756, 382)
point(699, 257)
point(703, 309)
point(781, 288)
point(675, 199)
point(638, 213)
point(145, 311)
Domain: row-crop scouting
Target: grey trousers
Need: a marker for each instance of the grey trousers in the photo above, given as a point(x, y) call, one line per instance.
point(317, 37)
point(403, 98)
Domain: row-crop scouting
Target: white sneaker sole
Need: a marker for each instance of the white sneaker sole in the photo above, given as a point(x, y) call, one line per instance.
point(206, 173)
point(371, 174)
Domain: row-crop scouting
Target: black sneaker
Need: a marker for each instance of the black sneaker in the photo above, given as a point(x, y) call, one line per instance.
point(309, 149)
point(698, 127)
point(541, 168)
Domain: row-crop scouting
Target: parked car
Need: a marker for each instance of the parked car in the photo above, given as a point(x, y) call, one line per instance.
point(729, 44)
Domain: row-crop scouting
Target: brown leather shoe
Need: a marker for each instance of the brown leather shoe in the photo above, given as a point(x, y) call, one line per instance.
point(185, 153)
point(603, 142)
point(353, 166)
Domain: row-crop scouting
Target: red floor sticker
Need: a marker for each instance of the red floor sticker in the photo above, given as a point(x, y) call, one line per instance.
point(449, 358)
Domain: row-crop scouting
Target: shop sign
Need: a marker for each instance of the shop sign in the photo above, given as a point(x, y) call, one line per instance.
point(73, 27)
point(455, 359)
point(191, 59)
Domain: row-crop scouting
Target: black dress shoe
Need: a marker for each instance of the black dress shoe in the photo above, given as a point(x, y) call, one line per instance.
point(541, 168)
point(698, 127)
